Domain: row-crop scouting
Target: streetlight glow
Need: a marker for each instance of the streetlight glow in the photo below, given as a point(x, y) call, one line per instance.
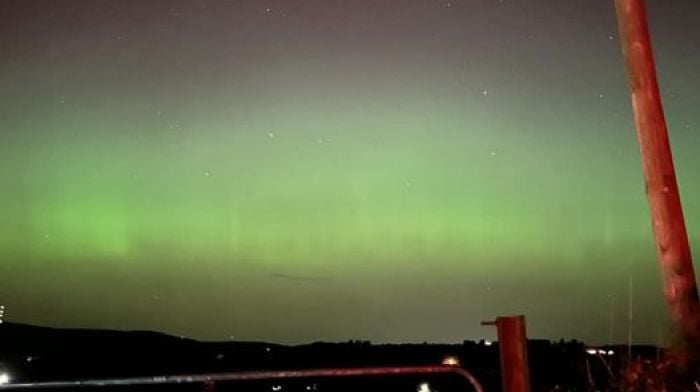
point(450, 361)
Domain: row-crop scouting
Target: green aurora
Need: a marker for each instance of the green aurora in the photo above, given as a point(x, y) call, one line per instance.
point(206, 176)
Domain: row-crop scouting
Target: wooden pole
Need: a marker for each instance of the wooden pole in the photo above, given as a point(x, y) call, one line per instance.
point(512, 344)
point(668, 223)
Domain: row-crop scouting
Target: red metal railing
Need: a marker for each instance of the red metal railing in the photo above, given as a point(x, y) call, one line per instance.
point(212, 378)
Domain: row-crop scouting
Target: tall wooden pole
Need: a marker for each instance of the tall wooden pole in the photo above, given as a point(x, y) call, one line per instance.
point(668, 224)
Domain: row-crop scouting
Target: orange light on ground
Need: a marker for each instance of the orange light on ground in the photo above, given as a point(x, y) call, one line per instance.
point(451, 361)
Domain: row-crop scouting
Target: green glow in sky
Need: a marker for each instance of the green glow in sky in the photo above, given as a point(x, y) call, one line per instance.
point(340, 172)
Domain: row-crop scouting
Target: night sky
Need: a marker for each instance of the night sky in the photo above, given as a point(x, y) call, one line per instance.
point(292, 171)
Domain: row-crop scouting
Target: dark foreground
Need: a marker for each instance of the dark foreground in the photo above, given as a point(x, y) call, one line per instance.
point(35, 354)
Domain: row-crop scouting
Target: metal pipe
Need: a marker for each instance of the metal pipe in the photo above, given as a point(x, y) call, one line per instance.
point(254, 376)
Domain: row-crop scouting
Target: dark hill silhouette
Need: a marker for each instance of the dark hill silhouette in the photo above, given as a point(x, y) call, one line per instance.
point(32, 353)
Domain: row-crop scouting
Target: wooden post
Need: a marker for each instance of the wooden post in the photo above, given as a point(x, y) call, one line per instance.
point(668, 224)
point(512, 344)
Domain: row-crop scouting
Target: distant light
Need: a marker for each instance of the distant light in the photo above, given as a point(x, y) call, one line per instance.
point(424, 387)
point(4, 378)
point(598, 351)
point(487, 342)
point(276, 387)
point(450, 361)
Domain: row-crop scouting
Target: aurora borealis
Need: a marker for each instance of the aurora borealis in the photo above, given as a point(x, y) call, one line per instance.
point(308, 170)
